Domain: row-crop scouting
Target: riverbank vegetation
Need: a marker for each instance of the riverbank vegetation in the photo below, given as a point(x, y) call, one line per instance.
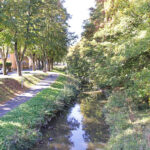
point(20, 128)
point(113, 56)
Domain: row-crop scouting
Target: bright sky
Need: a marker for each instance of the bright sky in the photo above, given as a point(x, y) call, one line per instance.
point(79, 10)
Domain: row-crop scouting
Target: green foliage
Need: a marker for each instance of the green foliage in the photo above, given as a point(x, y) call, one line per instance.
point(52, 40)
point(118, 53)
point(115, 55)
point(126, 125)
point(8, 64)
point(19, 129)
point(37, 28)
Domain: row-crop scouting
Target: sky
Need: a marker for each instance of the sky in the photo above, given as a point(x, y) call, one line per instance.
point(79, 10)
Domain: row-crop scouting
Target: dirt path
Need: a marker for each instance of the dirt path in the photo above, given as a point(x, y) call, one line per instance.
point(32, 92)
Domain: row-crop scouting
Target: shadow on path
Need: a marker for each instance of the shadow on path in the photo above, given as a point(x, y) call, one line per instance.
point(32, 92)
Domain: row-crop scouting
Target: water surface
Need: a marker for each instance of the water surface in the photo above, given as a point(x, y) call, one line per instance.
point(80, 128)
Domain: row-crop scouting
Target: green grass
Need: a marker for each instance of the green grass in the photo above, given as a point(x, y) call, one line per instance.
point(19, 129)
point(60, 69)
point(128, 125)
point(20, 125)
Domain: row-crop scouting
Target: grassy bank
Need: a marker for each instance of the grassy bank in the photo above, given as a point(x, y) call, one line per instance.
point(19, 129)
point(10, 87)
point(129, 126)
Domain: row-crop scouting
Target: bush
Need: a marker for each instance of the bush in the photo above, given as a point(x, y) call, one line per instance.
point(8, 65)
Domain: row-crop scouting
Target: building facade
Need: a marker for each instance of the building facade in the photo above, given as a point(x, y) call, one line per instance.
point(11, 58)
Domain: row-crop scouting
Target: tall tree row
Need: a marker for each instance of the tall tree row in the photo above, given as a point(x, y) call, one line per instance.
point(37, 28)
point(114, 50)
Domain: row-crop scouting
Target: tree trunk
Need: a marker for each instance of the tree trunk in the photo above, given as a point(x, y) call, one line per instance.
point(19, 68)
point(4, 68)
point(18, 62)
point(44, 66)
point(39, 65)
point(49, 65)
point(33, 63)
point(4, 55)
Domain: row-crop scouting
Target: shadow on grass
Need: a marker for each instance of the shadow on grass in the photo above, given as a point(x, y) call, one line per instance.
point(9, 88)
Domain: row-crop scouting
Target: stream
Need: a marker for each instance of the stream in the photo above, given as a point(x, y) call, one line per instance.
point(82, 127)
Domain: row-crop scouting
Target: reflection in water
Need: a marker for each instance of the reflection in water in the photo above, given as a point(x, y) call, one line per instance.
point(81, 128)
point(77, 135)
point(93, 118)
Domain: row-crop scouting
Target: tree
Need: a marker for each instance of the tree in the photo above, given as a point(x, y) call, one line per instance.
point(38, 28)
point(23, 16)
point(117, 53)
point(5, 36)
point(53, 37)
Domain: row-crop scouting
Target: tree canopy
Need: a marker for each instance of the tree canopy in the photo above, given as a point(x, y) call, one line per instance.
point(37, 28)
point(114, 54)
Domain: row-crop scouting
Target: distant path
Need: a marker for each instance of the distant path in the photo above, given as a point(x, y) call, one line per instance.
point(26, 96)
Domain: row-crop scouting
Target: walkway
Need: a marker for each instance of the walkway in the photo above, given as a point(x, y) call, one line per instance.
point(14, 73)
point(15, 102)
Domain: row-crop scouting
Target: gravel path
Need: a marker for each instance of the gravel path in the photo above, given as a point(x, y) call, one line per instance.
point(32, 92)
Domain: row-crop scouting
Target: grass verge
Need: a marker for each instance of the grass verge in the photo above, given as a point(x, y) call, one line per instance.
point(10, 87)
point(20, 128)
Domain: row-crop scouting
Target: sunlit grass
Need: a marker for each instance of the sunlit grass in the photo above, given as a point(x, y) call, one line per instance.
point(23, 120)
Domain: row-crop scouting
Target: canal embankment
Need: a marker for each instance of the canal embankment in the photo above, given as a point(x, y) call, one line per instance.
point(20, 128)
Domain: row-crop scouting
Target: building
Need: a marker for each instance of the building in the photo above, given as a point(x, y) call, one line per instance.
point(25, 63)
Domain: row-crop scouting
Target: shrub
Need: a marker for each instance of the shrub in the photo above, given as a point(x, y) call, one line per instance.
point(8, 65)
